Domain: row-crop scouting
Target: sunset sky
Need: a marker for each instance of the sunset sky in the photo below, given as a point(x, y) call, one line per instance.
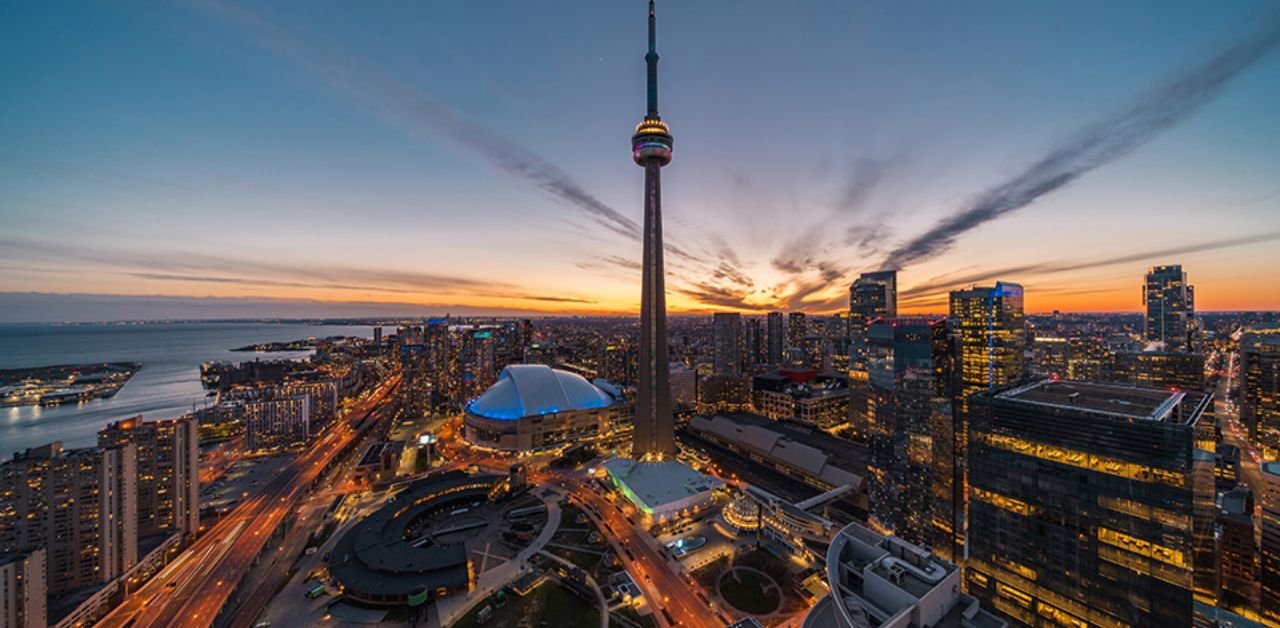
point(339, 158)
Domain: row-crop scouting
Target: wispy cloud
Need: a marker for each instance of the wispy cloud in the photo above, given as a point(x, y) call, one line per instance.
point(945, 283)
point(404, 106)
point(1097, 145)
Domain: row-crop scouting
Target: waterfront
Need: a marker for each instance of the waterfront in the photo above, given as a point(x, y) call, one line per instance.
point(168, 384)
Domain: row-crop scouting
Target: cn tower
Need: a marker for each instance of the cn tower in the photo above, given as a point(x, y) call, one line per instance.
point(651, 148)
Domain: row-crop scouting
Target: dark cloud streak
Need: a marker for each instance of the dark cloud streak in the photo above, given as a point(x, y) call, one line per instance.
point(1097, 145)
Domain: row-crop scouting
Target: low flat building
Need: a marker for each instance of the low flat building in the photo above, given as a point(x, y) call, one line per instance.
point(808, 455)
point(802, 395)
point(662, 490)
point(375, 563)
point(881, 581)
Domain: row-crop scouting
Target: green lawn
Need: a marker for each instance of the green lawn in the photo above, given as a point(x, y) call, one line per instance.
point(746, 591)
point(550, 606)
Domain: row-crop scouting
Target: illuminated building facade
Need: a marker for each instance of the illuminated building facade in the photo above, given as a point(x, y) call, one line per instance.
point(726, 345)
point(168, 472)
point(78, 505)
point(1081, 502)
point(872, 296)
point(534, 407)
point(1260, 389)
point(801, 395)
point(1160, 369)
point(654, 435)
point(1171, 308)
point(912, 473)
point(23, 590)
point(797, 330)
point(988, 344)
point(991, 331)
point(277, 422)
point(1269, 575)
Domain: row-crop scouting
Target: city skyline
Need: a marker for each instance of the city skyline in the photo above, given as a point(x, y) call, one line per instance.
point(206, 160)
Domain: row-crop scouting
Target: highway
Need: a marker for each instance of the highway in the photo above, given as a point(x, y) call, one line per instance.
point(194, 588)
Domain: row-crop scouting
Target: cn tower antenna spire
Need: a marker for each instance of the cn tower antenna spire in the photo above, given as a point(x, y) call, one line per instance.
point(651, 60)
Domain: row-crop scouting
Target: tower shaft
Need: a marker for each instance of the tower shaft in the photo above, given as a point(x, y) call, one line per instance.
point(654, 425)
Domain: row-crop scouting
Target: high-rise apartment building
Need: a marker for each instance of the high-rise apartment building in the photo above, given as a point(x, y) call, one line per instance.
point(23, 590)
point(726, 345)
point(775, 339)
point(754, 343)
point(1081, 502)
point(1260, 389)
point(1171, 307)
point(912, 487)
point(797, 329)
point(168, 472)
point(277, 422)
point(684, 386)
point(78, 505)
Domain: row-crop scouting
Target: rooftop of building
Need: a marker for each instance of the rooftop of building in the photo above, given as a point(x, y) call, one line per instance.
point(651, 485)
point(833, 460)
point(1114, 400)
point(374, 557)
point(1271, 468)
point(533, 389)
point(895, 577)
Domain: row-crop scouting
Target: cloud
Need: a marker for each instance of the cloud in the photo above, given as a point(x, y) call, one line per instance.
point(33, 307)
point(408, 108)
point(946, 283)
point(1097, 145)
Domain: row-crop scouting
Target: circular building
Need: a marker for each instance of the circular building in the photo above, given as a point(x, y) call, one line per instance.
point(379, 562)
point(534, 407)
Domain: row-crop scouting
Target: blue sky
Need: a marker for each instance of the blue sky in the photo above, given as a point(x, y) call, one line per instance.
point(210, 149)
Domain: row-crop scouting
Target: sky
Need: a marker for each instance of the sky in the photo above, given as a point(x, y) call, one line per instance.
point(215, 159)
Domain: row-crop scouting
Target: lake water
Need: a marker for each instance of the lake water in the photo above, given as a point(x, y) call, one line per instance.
point(167, 386)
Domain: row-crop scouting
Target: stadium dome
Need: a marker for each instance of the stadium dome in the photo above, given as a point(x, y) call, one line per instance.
point(531, 389)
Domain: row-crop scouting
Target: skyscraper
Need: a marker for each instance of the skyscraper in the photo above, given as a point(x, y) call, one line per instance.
point(1171, 307)
point(726, 345)
point(755, 343)
point(775, 339)
point(872, 296)
point(992, 335)
point(1260, 389)
point(1081, 502)
point(651, 150)
point(989, 342)
point(797, 330)
point(911, 475)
